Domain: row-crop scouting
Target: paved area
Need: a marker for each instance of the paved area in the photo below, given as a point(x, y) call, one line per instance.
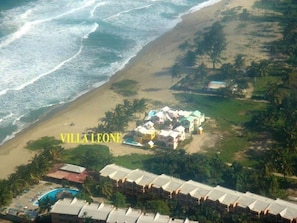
point(25, 201)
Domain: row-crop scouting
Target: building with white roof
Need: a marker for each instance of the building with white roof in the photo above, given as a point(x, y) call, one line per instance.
point(283, 210)
point(74, 210)
point(192, 193)
point(254, 202)
point(226, 197)
point(166, 186)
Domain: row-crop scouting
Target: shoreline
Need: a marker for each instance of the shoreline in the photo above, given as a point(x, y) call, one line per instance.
point(152, 62)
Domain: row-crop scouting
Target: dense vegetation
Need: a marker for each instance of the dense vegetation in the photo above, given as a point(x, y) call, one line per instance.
point(118, 119)
point(273, 80)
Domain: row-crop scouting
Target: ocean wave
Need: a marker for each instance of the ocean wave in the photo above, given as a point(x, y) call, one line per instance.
point(58, 50)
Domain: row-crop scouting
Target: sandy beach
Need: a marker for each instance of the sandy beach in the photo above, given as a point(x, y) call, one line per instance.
point(150, 68)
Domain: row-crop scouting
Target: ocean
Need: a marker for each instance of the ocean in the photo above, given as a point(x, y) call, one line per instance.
point(53, 51)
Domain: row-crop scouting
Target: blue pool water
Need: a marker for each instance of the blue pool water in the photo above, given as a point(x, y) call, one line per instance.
point(52, 194)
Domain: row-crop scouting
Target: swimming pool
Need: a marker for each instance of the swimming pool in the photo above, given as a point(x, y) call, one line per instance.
point(52, 194)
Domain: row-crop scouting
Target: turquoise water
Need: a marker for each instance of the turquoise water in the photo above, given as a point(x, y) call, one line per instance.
point(52, 194)
point(53, 51)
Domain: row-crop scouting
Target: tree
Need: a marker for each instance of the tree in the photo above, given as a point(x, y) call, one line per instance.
point(105, 188)
point(159, 206)
point(214, 43)
point(119, 200)
point(190, 59)
point(175, 71)
point(5, 193)
point(43, 143)
point(227, 70)
point(244, 15)
point(239, 62)
point(201, 72)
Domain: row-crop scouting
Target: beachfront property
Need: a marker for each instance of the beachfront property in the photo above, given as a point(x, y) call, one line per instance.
point(145, 133)
point(74, 210)
point(174, 126)
point(192, 194)
point(171, 138)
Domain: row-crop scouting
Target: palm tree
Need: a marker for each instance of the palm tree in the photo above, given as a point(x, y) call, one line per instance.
point(5, 193)
point(263, 68)
point(239, 62)
point(128, 107)
point(139, 105)
point(214, 43)
point(201, 72)
point(227, 70)
point(106, 188)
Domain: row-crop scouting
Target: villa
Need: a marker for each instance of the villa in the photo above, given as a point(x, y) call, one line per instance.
point(175, 124)
point(171, 138)
point(144, 133)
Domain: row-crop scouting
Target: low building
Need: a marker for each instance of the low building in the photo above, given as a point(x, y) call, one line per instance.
point(144, 133)
point(74, 210)
point(67, 172)
point(193, 193)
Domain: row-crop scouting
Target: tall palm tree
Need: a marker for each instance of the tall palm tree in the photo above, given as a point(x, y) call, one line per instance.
point(201, 72)
point(106, 188)
point(263, 68)
point(239, 62)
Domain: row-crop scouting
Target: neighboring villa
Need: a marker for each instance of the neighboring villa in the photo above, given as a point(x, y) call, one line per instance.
point(192, 194)
point(178, 123)
point(74, 210)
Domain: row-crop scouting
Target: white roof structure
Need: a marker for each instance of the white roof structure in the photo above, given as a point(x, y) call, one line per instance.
point(68, 206)
point(283, 208)
point(97, 211)
point(164, 133)
point(141, 177)
point(123, 215)
point(195, 189)
point(167, 183)
point(223, 195)
point(184, 113)
point(180, 129)
point(114, 172)
point(108, 213)
point(72, 168)
point(144, 130)
point(165, 109)
point(254, 202)
point(174, 134)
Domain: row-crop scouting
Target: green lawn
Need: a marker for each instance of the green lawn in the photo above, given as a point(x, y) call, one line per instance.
point(226, 112)
point(229, 114)
point(132, 161)
point(261, 84)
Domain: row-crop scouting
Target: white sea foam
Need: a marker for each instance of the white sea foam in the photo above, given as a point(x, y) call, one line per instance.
point(54, 51)
point(203, 5)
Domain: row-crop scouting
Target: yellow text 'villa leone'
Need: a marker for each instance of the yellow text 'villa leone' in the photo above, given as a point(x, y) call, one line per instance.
point(91, 138)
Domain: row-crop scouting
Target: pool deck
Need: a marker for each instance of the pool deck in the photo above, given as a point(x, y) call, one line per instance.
point(25, 201)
